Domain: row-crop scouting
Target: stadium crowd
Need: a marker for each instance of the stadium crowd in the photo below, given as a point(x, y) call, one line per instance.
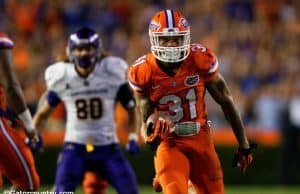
point(256, 41)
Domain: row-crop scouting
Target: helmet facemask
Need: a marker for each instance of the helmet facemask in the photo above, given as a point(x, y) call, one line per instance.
point(85, 61)
point(84, 38)
point(172, 53)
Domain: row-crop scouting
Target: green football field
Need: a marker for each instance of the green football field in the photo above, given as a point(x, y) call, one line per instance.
point(229, 190)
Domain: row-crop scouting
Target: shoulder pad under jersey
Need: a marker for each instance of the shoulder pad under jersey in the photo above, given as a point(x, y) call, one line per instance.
point(5, 42)
point(204, 58)
point(54, 74)
point(114, 66)
point(139, 74)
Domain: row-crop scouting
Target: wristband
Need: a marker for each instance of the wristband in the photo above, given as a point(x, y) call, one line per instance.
point(27, 120)
point(133, 136)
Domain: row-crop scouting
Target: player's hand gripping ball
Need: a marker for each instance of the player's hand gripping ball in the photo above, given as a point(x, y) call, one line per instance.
point(158, 127)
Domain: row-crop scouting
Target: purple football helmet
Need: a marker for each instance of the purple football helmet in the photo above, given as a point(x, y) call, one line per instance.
point(81, 38)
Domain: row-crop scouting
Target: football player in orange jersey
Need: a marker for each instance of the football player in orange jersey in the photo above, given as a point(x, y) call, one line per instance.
point(16, 160)
point(173, 79)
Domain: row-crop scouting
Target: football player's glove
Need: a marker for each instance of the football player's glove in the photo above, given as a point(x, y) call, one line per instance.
point(243, 158)
point(132, 147)
point(35, 143)
point(157, 132)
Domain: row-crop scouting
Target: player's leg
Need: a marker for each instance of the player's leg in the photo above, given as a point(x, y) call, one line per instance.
point(172, 168)
point(210, 182)
point(17, 163)
point(70, 167)
point(118, 172)
point(158, 188)
point(206, 178)
point(93, 183)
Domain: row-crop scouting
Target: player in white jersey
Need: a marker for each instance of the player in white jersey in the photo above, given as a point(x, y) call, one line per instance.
point(89, 86)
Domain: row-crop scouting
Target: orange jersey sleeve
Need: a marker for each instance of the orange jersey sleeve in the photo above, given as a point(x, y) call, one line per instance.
point(205, 60)
point(139, 76)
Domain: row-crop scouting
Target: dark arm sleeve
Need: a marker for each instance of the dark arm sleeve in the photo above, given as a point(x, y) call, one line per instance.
point(125, 96)
point(52, 98)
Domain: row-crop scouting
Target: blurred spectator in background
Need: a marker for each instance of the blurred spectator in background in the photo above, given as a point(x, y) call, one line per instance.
point(291, 136)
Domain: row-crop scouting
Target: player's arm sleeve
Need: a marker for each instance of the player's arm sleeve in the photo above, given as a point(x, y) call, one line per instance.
point(52, 98)
point(54, 76)
point(207, 63)
point(212, 69)
point(138, 78)
point(125, 97)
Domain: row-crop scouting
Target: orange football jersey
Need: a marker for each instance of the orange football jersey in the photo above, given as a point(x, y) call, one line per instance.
point(182, 94)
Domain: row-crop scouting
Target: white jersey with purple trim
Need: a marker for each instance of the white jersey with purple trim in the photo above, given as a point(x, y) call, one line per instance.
point(89, 101)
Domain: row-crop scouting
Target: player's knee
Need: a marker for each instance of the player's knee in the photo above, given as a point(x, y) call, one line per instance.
point(94, 184)
point(174, 188)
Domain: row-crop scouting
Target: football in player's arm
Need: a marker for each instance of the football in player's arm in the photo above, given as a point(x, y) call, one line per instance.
point(89, 85)
point(16, 159)
point(173, 79)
